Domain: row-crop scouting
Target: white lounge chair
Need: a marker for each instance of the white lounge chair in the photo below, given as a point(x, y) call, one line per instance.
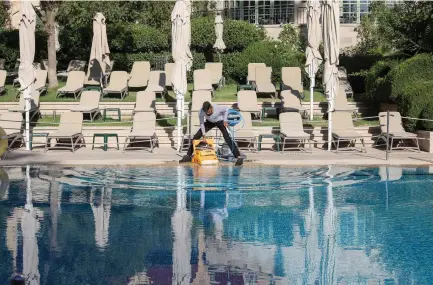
point(139, 76)
point(344, 131)
point(69, 133)
point(143, 131)
point(74, 84)
point(89, 104)
point(118, 84)
point(292, 133)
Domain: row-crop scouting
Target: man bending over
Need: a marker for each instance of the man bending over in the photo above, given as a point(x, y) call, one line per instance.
point(216, 116)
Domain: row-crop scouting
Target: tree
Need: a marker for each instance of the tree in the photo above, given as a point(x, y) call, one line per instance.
point(48, 12)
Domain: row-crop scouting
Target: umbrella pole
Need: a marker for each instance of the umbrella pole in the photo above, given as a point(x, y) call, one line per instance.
point(311, 91)
point(330, 125)
point(179, 123)
point(27, 99)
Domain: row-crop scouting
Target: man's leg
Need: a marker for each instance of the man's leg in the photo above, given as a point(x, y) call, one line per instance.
point(228, 139)
point(207, 126)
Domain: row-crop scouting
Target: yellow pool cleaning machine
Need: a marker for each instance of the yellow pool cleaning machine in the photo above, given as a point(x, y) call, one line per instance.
point(204, 152)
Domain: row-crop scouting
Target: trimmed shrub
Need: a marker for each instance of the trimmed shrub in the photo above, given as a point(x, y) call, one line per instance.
point(202, 34)
point(240, 34)
point(416, 101)
point(378, 82)
point(137, 38)
point(411, 71)
point(269, 53)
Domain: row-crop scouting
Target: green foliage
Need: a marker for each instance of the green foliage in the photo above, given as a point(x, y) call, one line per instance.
point(407, 28)
point(10, 47)
point(202, 34)
point(378, 81)
point(290, 38)
point(270, 53)
point(137, 38)
point(4, 16)
point(410, 72)
point(240, 34)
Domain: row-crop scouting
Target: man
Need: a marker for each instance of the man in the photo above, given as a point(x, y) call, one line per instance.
point(216, 116)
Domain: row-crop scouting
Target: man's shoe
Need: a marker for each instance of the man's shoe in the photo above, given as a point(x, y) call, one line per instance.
point(185, 159)
point(239, 162)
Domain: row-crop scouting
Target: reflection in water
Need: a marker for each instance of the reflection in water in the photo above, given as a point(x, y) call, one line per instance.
point(220, 225)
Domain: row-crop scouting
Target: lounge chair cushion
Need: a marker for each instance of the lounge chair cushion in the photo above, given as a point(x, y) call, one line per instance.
point(295, 134)
point(346, 134)
point(63, 134)
point(142, 133)
point(403, 135)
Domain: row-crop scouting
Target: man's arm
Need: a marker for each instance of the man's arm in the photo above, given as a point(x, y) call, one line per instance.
point(201, 119)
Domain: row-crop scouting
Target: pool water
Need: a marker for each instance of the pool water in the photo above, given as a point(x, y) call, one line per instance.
point(216, 225)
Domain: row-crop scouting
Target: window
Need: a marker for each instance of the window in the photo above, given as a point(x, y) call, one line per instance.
point(270, 12)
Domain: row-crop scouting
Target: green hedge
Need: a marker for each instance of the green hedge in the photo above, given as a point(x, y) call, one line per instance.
point(137, 38)
point(378, 82)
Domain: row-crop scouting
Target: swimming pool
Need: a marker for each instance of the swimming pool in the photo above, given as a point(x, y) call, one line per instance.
point(217, 225)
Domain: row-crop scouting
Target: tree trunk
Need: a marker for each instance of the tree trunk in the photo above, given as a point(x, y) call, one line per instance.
point(50, 25)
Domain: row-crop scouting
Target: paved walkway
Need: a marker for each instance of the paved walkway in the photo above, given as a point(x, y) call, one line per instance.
point(86, 156)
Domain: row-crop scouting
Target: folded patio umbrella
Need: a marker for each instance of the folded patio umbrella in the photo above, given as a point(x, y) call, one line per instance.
point(219, 27)
point(331, 46)
point(100, 53)
point(314, 59)
point(181, 53)
point(26, 72)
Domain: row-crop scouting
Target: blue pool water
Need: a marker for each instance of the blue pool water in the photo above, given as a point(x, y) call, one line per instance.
point(216, 225)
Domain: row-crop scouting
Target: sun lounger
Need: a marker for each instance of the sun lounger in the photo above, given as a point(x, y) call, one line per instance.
point(264, 81)
point(44, 64)
point(247, 102)
point(3, 75)
point(139, 75)
point(34, 105)
point(251, 78)
point(157, 83)
point(341, 103)
point(89, 104)
point(344, 131)
point(12, 125)
point(69, 133)
point(198, 98)
point(396, 132)
point(202, 80)
point(41, 81)
point(74, 84)
point(168, 69)
point(216, 69)
point(291, 102)
point(118, 84)
point(12, 75)
point(74, 65)
point(292, 133)
point(144, 102)
point(143, 131)
point(243, 133)
point(291, 79)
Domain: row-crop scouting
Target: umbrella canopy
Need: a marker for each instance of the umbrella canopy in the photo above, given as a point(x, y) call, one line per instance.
point(26, 72)
point(314, 59)
point(100, 53)
point(181, 53)
point(219, 26)
point(331, 45)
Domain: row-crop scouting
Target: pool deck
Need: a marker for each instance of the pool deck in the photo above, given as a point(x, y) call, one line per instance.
point(165, 156)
